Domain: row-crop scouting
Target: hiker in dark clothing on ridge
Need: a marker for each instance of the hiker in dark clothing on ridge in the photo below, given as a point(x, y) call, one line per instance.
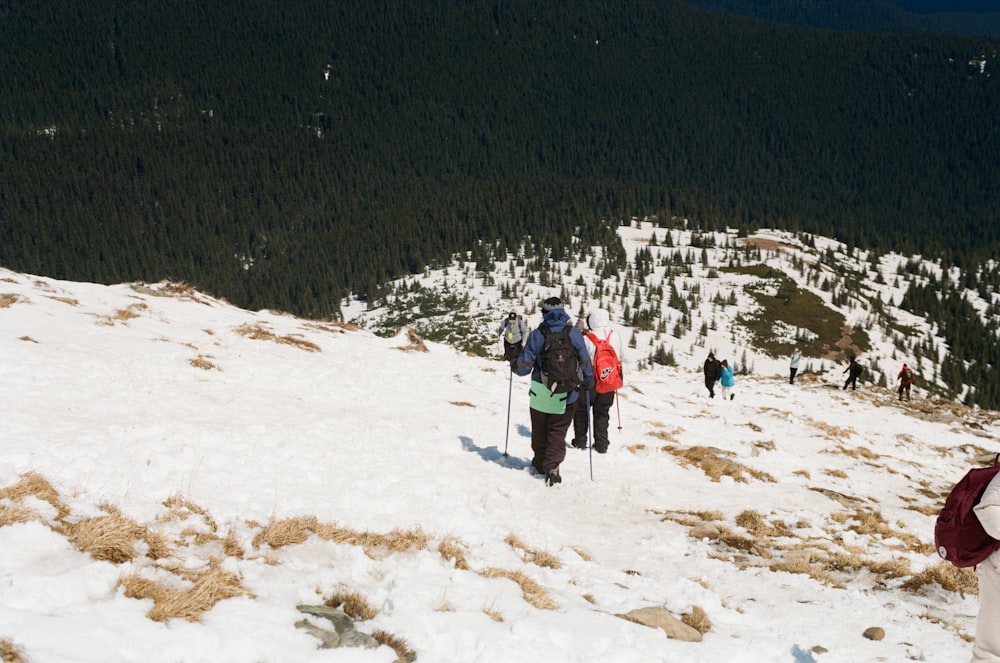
point(713, 372)
point(551, 411)
point(853, 371)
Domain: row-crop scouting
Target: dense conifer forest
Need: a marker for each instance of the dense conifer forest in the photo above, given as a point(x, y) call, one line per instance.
point(283, 155)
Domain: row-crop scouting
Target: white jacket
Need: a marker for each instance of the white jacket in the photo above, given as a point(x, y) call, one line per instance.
point(988, 509)
point(599, 323)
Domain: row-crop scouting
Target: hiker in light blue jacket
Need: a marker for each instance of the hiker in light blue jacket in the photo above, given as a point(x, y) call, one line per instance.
point(727, 381)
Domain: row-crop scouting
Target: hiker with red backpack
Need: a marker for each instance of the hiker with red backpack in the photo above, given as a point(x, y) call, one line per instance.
point(604, 345)
point(906, 379)
point(556, 357)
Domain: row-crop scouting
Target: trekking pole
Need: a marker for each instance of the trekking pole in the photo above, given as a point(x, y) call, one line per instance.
point(590, 436)
point(510, 390)
point(618, 407)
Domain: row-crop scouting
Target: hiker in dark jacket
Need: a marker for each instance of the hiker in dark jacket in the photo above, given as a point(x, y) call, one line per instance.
point(713, 372)
point(548, 429)
point(853, 371)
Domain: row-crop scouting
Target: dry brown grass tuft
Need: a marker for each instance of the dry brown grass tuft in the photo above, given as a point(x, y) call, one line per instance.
point(259, 333)
point(7, 299)
point(9, 652)
point(112, 538)
point(462, 404)
point(715, 463)
point(11, 514)
point(354, 605)
point(534, 555)
point(759, 527)
point(203, 363)
point(533, 593)
point(232, 547)
point(404, 654)
point(122, 315)
point(287, 532)
point(35, 485)
point(669, 435)
point(181, 508)
point(948, 577)
point(416, 344)
point(493, 613)
point(208, 587)
point(635, 448)
point(698, 620)
point(583, 553)
point(65, 300)
point(451, 549)
point(837, 473)
point(395, 541)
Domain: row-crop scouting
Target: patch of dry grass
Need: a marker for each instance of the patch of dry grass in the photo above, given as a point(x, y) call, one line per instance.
point(534, 594)
point(354, 605)
point(404, 654)
point(286, 532)
point(122, 315)
point(947, 576)
point(462, 404)
point(11, 514)
point(32, 484)
point(65, 300)
point(398, 540)
point(493, 613)
point(716, 463)
point(208, 586)
point(533, 555)
point(415, 343)
point(112, 538)
point(182, 508)
point(7, 299)
point(453, 550)
point(671, 435)
point(259, 333)
point(203, 363)
point(9, 652)
point(698, 620)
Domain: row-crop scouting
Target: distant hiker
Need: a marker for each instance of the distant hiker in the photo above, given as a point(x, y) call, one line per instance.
point(713, 371)
point(513, 331)
point(605, 347)
point(556, 357)
point(906, 378)
point(793, 365)
point(853, 371)
point(987, 645)
point(727, 380)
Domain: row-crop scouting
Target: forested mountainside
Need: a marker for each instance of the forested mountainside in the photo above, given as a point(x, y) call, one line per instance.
point(968, 17)
point(282, 155)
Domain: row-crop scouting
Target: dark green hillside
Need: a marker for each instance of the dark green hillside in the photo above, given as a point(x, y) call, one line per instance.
point(284, 154)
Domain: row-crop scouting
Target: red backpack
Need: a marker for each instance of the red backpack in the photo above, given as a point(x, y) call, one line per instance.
point(607, 367)
point(958, 535)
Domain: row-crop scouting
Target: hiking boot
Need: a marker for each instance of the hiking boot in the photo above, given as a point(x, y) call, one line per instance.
point(552, 478)
point(601, 449)
point(579, 444)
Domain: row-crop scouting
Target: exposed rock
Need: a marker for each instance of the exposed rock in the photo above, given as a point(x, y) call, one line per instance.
point(705, 531)
point(874, 633)
point(344, 633)
point(659, 618)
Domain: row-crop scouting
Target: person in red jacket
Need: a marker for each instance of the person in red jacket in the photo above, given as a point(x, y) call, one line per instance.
point(906, 378)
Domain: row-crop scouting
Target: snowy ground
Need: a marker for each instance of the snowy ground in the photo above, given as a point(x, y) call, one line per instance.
point(126, 398)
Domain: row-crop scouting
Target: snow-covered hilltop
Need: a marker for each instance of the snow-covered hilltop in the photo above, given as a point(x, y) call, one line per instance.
point(677, 293)
point(179, 475)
